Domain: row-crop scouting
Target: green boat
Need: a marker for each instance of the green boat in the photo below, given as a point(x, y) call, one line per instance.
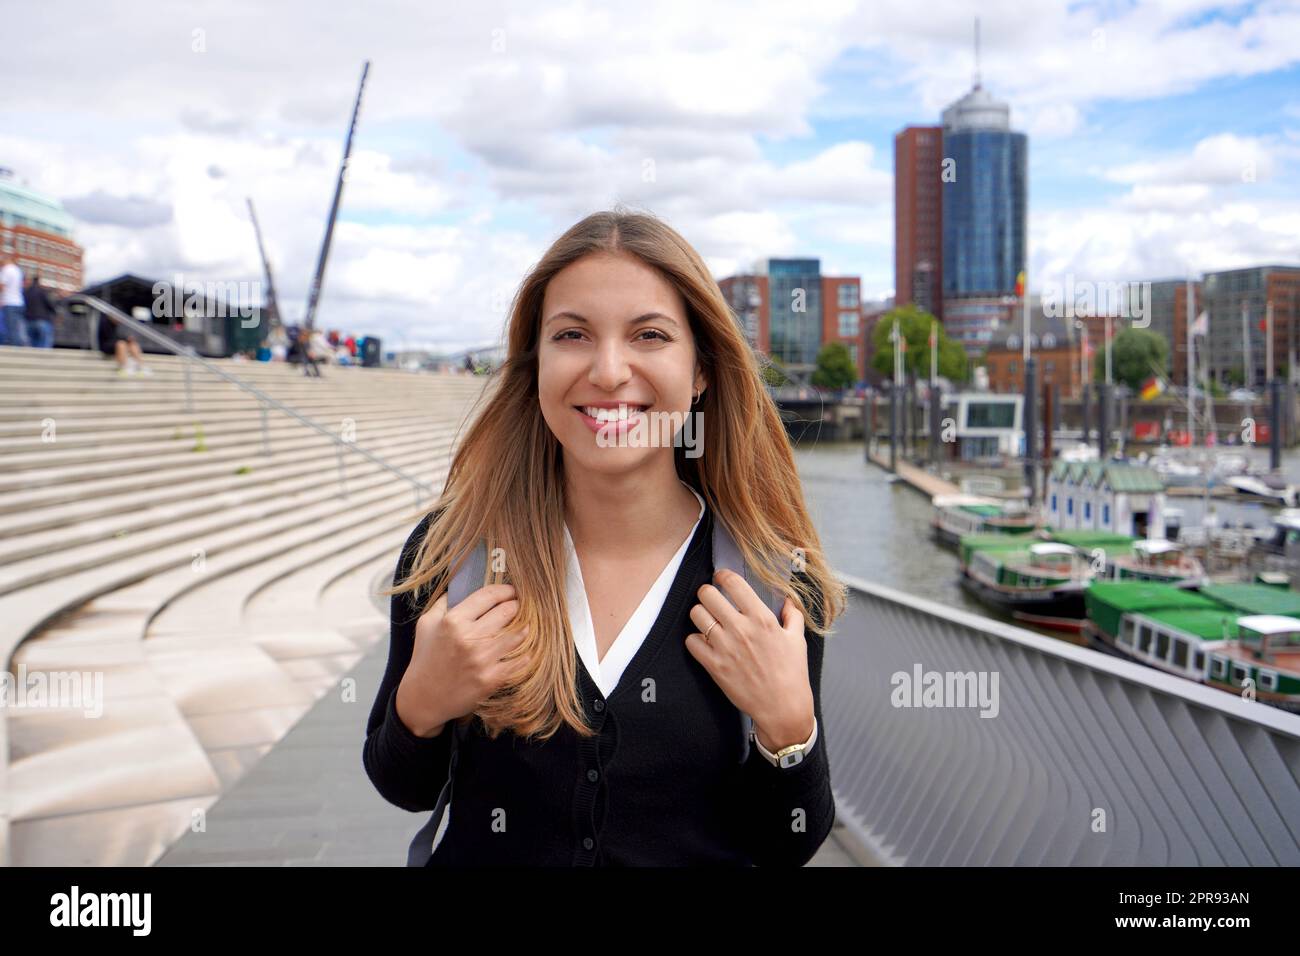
point(1121, 557)
point(958, 515)
point(1221, 635)
point(1044, 586)
point(1029, 578)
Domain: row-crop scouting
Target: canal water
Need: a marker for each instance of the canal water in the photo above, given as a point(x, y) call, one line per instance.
point(880, 531)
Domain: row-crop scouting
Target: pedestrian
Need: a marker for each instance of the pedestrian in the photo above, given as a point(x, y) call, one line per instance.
point(598, 688)
point(302, 353)
point(13, 326)
point(40, 314)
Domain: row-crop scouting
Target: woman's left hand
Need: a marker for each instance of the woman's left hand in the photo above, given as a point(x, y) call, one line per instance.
point(760, 663)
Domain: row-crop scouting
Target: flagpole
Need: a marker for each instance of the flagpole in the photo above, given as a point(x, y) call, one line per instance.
point(1247, 378)
point(1268, 339)
point(1191, 364)
point(934, 351)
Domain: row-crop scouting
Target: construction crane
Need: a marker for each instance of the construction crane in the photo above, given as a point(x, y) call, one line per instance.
point(271, 305)
point(313, 295)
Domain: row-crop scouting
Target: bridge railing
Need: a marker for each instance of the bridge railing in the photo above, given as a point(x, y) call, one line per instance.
point(1084, 760)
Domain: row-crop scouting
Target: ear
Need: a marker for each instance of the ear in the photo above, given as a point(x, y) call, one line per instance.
point(701, 380)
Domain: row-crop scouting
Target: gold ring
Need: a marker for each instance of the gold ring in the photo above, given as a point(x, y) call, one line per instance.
point(706, 633)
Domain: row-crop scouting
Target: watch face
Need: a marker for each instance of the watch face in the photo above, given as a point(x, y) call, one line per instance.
point(790, 760)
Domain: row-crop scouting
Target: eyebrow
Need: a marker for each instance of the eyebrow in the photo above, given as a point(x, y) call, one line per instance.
point(575, 317)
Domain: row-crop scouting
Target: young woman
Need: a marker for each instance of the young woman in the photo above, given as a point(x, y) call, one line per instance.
point(601, 692)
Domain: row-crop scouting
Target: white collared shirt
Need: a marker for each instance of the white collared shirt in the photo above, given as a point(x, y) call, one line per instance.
point(607, 670)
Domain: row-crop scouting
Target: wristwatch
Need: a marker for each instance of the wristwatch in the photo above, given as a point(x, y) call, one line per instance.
point(786, 757)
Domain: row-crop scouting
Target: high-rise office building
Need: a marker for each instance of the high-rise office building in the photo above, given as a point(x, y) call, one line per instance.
point(918, 218)
point(984, 198)
point(1237, 300)
point(746, 294)
point(795, 306)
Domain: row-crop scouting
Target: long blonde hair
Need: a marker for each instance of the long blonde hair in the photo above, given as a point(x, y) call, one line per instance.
point(505, 482)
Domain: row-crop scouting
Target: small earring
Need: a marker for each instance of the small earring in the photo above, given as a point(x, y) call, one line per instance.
point(695, 400)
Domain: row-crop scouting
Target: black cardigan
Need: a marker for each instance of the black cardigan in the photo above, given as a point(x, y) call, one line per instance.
point(661, 784)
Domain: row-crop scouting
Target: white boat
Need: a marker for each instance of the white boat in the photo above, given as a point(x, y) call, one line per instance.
point(1174, 471)
point(1270, 487)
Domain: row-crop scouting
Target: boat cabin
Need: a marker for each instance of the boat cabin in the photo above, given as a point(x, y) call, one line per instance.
point(1264, 635)
point(1052, 555)
point(1157, 554)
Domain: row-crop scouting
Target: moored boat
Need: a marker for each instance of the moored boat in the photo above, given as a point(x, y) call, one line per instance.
point(1241, 638)
point(958, 515)
point(1042, 579)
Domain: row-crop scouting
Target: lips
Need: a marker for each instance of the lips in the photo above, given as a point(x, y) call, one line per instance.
point(634, 411)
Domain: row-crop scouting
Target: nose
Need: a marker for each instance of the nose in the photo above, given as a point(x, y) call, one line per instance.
point(609, 367)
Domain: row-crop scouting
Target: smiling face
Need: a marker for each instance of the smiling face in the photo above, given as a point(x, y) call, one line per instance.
point(614, 332)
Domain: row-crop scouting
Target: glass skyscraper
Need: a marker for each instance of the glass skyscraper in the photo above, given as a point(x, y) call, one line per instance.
point(795, 290)
point(984, 197)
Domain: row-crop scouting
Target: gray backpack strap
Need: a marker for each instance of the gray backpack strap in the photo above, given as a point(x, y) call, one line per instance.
point(465, 581)
point(726, 554)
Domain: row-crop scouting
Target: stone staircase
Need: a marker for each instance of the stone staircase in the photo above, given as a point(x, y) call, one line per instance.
point(219, 590)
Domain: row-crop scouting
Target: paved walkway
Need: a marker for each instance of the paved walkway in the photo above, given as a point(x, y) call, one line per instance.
point(919, 479)
point(309, 802)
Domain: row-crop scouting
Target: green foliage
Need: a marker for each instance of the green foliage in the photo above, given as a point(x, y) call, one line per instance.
point(1137, 355)
point(914, 324)
point(200, 443)
point(774, 372)
point(243, 470)
point(835, 367)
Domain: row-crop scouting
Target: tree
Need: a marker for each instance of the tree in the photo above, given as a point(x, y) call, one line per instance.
point(915, 324)
point(773, 371)
point(835, 367)
point(1136, 355)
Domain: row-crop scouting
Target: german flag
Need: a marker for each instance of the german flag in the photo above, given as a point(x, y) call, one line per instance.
point(1152, 387)
point(1020, 284)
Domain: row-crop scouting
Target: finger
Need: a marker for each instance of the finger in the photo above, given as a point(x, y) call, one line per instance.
point(437, 609)
point(495, 620)
point(735, 587)
point(792, 619)
point(722, 611)
point(702, 652)
point(701, 617)
point(480, 602)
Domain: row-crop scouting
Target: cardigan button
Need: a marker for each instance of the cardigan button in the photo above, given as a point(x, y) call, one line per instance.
point(599, 705)
point(592, 775)
point(588, 843)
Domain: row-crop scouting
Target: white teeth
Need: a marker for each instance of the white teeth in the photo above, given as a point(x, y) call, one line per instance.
point(622, 413)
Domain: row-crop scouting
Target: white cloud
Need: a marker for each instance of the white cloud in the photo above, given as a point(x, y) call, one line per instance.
point(1215, 160)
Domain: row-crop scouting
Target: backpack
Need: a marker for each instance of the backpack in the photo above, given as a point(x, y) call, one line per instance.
point(726, 554)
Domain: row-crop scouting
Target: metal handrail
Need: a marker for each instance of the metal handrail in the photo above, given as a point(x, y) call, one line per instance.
point(1089, 759)
point(191, 356)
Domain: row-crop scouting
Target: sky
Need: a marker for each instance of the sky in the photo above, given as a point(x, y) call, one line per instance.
point(1164, 137)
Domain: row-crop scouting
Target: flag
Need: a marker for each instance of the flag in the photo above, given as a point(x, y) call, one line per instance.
point(934, 333)
point(1263, 325)
point(1020, 284)
point(1201, 324)
point(1152, 387)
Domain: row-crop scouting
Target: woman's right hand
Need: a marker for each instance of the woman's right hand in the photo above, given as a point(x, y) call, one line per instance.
point(456, 662)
